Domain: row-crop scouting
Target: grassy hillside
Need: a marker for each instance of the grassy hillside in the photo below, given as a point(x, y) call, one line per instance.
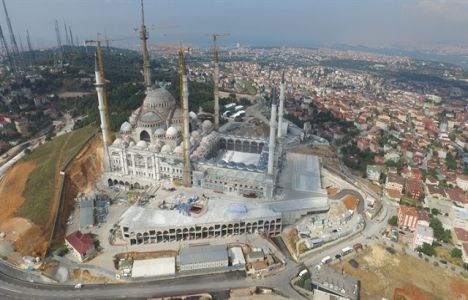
point(41, 184)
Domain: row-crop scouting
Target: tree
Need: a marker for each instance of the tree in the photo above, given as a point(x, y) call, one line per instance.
point(456, 253)
point(450, 161)
point(435, 211)
point(427, 249)
point(439, 232)
point(393, 221)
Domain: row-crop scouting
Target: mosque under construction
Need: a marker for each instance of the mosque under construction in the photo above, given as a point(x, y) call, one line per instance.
point(230, 179)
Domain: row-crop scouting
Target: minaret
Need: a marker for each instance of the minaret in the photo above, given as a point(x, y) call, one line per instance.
point(215, 84)
point(281, 107)
point(187, 181)
point(102, 113)
point(144, 48)
point(272, 143)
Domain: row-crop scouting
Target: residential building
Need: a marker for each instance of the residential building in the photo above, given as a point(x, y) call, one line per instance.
point(465, 253)
point(395, 182)
point(408, 217)
point(374, 172)
point(422, 234)
point(414, 188)
point(462, 182)
point(460, 236)
point(81, 245)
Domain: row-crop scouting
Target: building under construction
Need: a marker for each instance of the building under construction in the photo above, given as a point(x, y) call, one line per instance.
point(259, 185)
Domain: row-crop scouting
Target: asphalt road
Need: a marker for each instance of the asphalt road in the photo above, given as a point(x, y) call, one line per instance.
point(13, 288)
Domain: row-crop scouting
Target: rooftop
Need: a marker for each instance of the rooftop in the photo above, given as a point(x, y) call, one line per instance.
point(462, 234)
point(333, 281)
point(153, 267)
point(301, 179)
point(218, 211)
point(82, 243)
point(240, 157)
point(198, 254)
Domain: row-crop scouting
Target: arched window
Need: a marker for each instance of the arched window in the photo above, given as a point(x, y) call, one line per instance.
point(144, 136)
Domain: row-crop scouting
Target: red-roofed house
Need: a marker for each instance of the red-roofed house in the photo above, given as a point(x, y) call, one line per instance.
point(465, 253)
point(461, 236)
point(458, 196)
point(412, 173)
point(408, 217)
point(81, 245)
point(414, 187)
point(395, 182)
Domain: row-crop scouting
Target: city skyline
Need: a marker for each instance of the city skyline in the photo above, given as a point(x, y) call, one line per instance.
point(298, 23)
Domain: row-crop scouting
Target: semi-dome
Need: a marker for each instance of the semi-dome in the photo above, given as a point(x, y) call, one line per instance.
point(172, 132)
point(207, 126)
point(142, 144)
point(195, 134)
point(159, 133)
point(178, 149)
point(166, 149)
point(192, 115)
point(117, 142)
point(150, 117)
point(126, 127)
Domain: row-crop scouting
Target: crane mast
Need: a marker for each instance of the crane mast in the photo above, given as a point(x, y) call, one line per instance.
point(59, 44)
point(11, 61)
point(14, 45)
point(30, 49)
point(144, 46)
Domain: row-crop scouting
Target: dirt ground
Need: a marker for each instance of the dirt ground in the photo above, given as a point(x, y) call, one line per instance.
point(390, 276)
point(145, 255)
point(11, 189)
point(350, 201)
point(27, 237)
point(81, 175)
point(87, 167)
point(78, 275)
point(332, 191)
point(11, 198)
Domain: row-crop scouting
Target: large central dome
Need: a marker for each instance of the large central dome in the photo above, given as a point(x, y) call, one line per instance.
point(159, 100)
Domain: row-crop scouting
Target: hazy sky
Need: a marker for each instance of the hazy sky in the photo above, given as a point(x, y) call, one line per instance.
point(254, 22)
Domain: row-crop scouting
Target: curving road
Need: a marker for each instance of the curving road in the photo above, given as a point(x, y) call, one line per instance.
point(15, 284)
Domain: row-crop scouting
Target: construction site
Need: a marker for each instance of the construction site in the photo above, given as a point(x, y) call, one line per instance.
point(169, 174)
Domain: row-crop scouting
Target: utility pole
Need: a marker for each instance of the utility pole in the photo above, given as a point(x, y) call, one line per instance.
point(216, 78)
